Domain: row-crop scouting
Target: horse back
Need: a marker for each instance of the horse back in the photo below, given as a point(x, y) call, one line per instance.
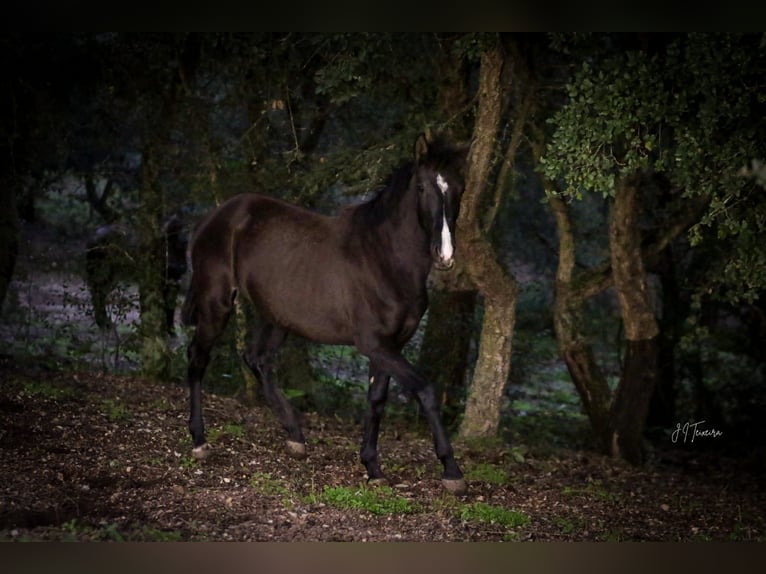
point(310, 273)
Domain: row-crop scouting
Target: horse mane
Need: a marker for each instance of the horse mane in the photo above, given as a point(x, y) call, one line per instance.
point(441, 155)
point(376, 210)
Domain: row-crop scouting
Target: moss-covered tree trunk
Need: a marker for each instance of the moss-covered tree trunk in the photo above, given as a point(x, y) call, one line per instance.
point(155, 359)
point(443, 357)
point(497, 288)
point(574, 347)
point(639, 368)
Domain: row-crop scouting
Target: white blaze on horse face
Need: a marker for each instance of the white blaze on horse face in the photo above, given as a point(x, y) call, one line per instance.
point(446, 249)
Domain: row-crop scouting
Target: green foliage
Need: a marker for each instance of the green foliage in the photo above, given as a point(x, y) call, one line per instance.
point(610, 125)
point(485, 472)
point(77, 531)
point(47, 389)
point(567, 525)
point(354, 65)
point(380, 500)
point(351, 72)
point(692, 111)
point(112, 532)
point(115, 410)
point(472, 45)
point(595, 489)
point(265, 484)
point(153, 534)
point(487, 513)
point(236, 430)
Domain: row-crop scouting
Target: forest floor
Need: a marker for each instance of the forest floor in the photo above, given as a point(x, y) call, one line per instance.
point(86, 456)
point(90, 455)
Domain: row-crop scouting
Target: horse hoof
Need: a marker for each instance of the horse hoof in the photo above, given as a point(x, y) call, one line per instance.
point(296, 449)
point(201, 452)
point(456, 486)
point(379, 481)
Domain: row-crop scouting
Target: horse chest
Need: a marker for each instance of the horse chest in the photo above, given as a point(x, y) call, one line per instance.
point(394, 311)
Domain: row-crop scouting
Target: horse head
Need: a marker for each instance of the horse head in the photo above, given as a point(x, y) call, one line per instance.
point(438, 175)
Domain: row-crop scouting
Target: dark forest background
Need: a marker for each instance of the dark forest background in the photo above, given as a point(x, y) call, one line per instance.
point(612, 260)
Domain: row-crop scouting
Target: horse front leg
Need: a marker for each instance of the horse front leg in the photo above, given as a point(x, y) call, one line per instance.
point(377, 393)
point(397, 366)
point(260, 357)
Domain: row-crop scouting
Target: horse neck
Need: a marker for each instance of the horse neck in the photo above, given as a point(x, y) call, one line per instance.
point(391, 220)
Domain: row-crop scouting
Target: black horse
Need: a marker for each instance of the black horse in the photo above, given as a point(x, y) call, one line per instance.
point(112, 254)
point(358, 278)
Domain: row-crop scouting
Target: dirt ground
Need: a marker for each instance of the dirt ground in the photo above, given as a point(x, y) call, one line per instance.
point(97, 457)
point(91, 456)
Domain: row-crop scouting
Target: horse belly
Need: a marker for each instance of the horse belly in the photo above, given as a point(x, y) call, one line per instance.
point(295, 291)
point(310, 316)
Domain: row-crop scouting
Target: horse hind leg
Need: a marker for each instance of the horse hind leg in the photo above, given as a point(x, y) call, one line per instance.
point(260, 357)
point(211, 316)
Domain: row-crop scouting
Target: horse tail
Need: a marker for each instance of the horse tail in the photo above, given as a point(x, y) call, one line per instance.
point(189, 309)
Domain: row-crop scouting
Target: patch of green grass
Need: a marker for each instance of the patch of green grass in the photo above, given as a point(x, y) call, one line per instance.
point(115, 410)
point(76, 531)
point(378, 500)
point(567, 525)
point(594, 489)
point(152, 534)
point(264, 483)
point(160, 404)
point(614, 535)
point(46, 389)
point(231, 429)
point(741, 532)
point(487, 513)
point(484, 472)
point(188, 462)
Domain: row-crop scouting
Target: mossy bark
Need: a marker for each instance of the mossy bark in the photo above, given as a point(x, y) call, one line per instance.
point(443, 358)
point(574, 347)
point(497, 287)
point(639, 370)
point(155, 358)
point(159, 122)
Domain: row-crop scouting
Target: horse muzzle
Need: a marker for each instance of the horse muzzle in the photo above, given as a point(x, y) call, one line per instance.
point(444, 264)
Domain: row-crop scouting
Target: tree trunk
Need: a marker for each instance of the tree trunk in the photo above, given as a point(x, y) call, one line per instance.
point(482, 411)
point(662, 410)
point(155, 360)
point(631, 402)
point(443, 358)
point(9, 235)
point(576, 351)
point(639, 370)
point(498, 289)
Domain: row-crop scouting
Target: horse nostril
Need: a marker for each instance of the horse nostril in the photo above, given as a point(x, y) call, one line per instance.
point(444, 264)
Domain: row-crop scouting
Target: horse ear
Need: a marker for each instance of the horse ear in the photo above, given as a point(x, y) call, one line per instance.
point(421, 148)
point(461, 156)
